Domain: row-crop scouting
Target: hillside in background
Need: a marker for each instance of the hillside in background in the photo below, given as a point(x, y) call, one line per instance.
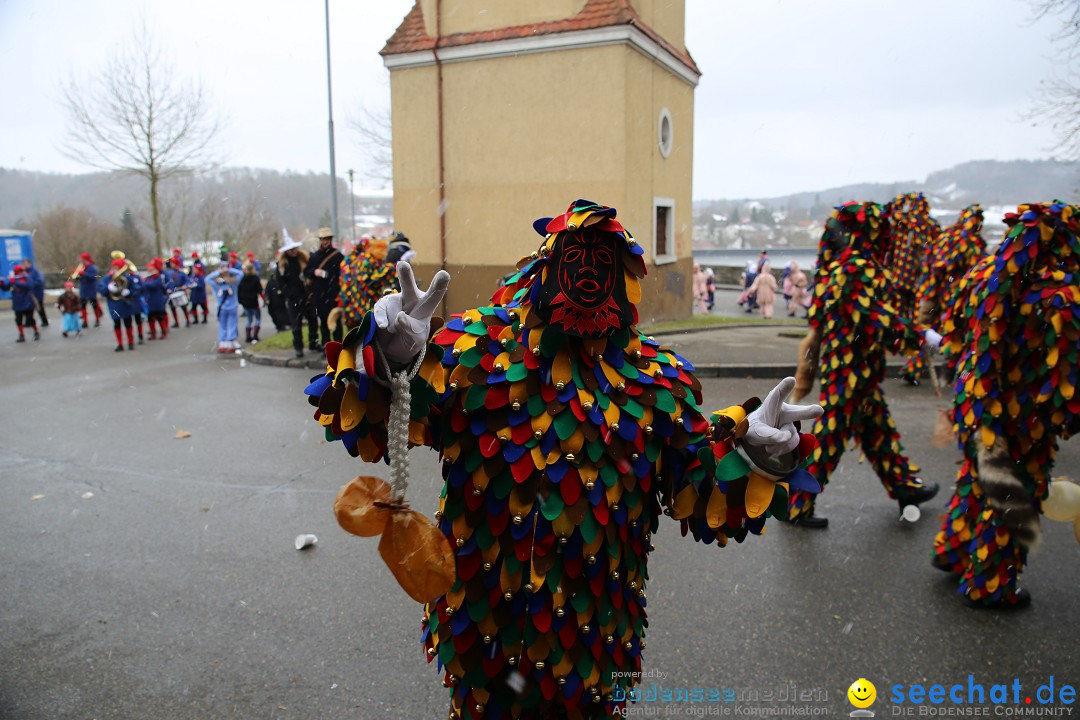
point(286, 199)
point(796, 220)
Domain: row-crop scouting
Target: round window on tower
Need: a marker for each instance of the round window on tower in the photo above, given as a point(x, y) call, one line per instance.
point(665, 133)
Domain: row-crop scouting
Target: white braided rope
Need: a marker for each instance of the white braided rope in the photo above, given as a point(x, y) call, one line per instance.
point(397, 427)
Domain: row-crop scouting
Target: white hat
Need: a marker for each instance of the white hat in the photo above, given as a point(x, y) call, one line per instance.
point(289, 243)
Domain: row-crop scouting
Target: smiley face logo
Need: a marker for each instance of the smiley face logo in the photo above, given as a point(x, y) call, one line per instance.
point(862, 693)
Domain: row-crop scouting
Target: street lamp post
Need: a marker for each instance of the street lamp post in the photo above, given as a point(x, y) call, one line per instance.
point(352, 206)
point(330, 106)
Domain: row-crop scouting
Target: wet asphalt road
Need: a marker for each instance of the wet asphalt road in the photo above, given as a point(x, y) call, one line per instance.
point(144, 576)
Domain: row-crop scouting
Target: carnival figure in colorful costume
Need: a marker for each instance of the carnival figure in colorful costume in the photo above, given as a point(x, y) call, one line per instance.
point(851, 328)
point(952, 254)
point(1014, 331)
point(564, 434)
point(366, 275)
point(913, 232)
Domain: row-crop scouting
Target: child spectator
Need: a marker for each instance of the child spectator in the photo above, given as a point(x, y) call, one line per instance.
point(22, 301)
point(224, 282)
point(249, 294)
point(70, 305)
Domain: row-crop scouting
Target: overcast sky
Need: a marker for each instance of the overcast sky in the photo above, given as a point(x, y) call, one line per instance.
point(795, 94)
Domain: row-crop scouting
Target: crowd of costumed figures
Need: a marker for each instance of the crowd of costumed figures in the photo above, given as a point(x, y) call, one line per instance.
point(565, 434)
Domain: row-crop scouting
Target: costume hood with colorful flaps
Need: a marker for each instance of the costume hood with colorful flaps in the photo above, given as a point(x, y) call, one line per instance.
point(584, 279)
point(913, 232)
point(1013, 328)
point(955, 250)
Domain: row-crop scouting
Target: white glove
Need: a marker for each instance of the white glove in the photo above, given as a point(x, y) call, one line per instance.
point(319, 273)
point(932, 339)
point(403, 319)
point(772, 426)
point(113, 288)
point(125, 292)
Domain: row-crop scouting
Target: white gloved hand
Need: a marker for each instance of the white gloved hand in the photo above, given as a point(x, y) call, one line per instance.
point(932, 339)
point(320, 273)
point(403, 319)
point(113, 288)
point(772, 426)
point(125, 292)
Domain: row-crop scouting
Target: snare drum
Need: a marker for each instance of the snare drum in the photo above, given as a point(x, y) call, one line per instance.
point(178, 298)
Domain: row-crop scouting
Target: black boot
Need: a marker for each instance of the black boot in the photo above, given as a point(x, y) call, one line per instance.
point(810, 520)
point(247, 335)
point(118, 348)
point(908, 495)
point(299, 352)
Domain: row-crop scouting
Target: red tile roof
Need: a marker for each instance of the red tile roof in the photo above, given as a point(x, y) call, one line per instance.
point(411, 36)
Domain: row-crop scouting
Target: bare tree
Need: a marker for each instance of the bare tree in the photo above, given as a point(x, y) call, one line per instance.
point(1059, 102)
point(137, 117)
point(62, 233)
point(373, 129)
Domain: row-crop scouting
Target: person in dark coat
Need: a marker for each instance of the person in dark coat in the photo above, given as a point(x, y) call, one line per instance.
point(290, 276)
point(22, 300)
point(249, 293)
point(275, 303)
point(178, 296)
point(323, 273)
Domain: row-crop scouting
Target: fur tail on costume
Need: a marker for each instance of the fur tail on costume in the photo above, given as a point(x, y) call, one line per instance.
point(809, 352)
point(1007, 494)
point(334, 318)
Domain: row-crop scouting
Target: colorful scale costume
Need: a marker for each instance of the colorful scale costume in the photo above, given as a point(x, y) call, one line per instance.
point(913, 234)
point(1014, 332)
point(365, 277)
point(855, 327)
point(560, 452)
point(952, 254)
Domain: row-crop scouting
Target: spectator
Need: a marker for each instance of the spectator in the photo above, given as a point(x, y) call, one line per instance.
point(764, 289)
point(249, 294)
point(290, 278)
point(37, 287)
point(322, 273)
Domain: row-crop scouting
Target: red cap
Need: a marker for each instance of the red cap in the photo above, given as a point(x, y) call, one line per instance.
point(176, 251)
point(199, 270)
point(119, 263)
point(251, 254)
point(233, 255)
point(86, 257)
point(17, 269)
point(69, 285)
point(155, 263)
point(195, 256)
point(176, 262)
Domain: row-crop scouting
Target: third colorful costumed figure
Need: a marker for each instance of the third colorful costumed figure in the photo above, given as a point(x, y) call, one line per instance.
point(1014, 335)
point(565, 434)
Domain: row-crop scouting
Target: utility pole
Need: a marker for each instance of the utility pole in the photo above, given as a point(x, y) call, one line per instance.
point(352, 207)
point(330, 105)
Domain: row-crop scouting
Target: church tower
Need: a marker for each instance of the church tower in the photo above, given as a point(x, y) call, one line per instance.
point(504, 112)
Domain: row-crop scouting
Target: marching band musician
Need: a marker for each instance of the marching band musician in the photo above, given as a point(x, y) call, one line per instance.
point(86, 274)
point(197, 291)
point(119, 286)
point(178, 297)
point(22, 300)
point(156, 288)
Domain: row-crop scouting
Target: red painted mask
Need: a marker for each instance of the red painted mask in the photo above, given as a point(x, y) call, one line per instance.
point(584, 293)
